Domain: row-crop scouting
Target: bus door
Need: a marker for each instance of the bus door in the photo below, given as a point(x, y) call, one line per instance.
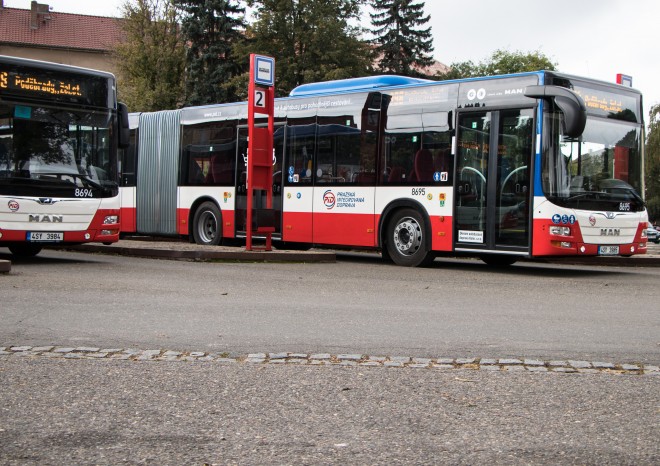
point(298, 196)
point(494, 151)
point(241, 180)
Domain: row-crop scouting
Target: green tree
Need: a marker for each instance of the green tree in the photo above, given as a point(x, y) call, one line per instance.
point(402, 44)
point(311, 40)
point(151, 58)
point(652, 165)
point(500, 62)
point(210, 29)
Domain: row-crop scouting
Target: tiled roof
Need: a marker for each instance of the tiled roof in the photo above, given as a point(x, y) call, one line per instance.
point(62, 30)
point(434, 69)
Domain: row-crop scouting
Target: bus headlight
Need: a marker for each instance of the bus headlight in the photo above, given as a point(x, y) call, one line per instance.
point(560, 231)
point(111, 220)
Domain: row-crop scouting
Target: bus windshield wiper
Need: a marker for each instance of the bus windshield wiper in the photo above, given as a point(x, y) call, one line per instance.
point(580, 195)
point(85, 179)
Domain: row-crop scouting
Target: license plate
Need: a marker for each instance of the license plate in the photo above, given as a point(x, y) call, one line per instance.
point(608, 250)
point(45, 236)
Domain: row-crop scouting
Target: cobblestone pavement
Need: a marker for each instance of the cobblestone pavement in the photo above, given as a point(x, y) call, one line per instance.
point(445, 364)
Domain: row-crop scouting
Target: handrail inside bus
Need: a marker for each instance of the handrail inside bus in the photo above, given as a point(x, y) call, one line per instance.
point(524, 167)
point(472, 169)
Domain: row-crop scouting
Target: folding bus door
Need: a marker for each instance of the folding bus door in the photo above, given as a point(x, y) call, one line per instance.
point(259, 201)
point(493, 181)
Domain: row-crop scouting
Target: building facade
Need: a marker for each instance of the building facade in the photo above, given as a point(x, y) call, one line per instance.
point(43, 34)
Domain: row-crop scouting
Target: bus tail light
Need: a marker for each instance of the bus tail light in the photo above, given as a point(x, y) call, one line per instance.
point(561, 244)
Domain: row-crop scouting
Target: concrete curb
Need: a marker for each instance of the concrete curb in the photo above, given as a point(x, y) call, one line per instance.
point(183, 251)
point(173, 250)
point(180, 250)
point(5, 266)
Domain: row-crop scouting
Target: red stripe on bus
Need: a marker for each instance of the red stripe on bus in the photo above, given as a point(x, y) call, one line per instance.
point(128, 220)
point(345, 229)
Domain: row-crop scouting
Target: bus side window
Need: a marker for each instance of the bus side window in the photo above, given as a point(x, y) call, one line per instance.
point(438, 141)
point(195, 174)
point(399, 153)
point(128, 164)
point(209, 155)
point(221, 169)
point(301, 140)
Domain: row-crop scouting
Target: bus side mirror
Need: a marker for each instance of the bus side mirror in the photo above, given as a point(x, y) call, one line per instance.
point(122, 123)
point(571, 105)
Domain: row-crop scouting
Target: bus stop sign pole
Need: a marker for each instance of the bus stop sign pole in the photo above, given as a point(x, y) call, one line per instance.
point(261, 100)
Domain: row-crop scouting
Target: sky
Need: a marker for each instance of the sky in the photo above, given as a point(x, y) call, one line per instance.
point(592, 38)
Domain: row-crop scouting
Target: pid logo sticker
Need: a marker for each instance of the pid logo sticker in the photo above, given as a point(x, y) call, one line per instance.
point(329, 199)
point(13, 205)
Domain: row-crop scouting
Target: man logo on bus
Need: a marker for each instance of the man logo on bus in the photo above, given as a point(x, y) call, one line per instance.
point(329, 199)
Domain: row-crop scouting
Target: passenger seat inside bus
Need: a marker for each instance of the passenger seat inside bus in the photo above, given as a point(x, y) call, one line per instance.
point(424, 166)
point(219, 174)
point(397, 175)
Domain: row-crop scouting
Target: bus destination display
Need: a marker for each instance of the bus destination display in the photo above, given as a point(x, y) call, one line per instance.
point(618, 106)
point(27, 83)
point(45, 85)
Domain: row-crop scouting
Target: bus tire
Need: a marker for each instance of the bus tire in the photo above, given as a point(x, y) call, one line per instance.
point(207, 225)
point(406, 239)
point(25, 250)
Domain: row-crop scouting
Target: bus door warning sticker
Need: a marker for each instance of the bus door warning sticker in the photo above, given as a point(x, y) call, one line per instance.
point(468, 236)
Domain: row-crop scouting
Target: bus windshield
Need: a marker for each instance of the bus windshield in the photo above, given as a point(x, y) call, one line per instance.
point(601, 170)
point(47, 151)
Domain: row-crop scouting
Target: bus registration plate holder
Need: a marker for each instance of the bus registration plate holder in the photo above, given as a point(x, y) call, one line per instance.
point(45, 236)
point(608, 250)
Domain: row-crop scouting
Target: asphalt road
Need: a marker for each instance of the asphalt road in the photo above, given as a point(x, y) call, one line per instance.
point(358, 305)
point(107, 411)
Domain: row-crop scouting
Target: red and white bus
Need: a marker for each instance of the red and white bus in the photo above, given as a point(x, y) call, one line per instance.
point(504, 167)
point(59, 137)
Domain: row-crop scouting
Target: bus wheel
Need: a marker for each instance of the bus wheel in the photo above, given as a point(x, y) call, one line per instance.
point(406, 244)
point(496, 260)
point(207, 225)
point(25, 250)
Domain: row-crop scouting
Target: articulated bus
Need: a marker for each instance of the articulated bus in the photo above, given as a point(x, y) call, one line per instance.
point(59, 139)
point(528, 165)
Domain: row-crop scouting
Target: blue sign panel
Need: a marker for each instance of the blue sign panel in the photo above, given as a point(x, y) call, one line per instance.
point(264, 71)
